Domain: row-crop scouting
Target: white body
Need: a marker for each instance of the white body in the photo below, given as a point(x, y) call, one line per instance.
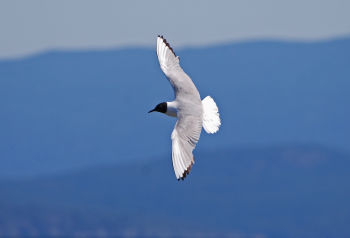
point(171, 109)
point(191, 111)
point(211, 116)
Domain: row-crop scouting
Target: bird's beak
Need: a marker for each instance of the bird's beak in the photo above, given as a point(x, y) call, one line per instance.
point(151, 111)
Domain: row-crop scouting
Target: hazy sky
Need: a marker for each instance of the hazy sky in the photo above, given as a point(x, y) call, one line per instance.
point(30, 26)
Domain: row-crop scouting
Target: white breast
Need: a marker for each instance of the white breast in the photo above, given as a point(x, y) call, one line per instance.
point(171, 109)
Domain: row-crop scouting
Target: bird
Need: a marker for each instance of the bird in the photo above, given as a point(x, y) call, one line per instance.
point(191, 112)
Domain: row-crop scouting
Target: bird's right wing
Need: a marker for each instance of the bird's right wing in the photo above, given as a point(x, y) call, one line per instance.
point(170, 65)
point(184, 139)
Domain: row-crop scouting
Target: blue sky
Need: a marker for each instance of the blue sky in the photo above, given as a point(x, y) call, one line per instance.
point(28, 27)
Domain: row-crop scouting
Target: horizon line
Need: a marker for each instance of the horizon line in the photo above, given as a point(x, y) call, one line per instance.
point(287, 40)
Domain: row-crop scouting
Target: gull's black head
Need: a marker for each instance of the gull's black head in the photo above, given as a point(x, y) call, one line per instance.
point(161, 107)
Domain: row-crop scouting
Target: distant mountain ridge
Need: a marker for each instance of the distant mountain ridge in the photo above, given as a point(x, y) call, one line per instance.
point(69, 110)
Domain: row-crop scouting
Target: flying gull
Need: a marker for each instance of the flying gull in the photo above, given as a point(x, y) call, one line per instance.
point(192, 113)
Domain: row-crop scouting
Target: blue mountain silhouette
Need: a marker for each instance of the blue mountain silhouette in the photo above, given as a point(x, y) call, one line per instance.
point(67, 110)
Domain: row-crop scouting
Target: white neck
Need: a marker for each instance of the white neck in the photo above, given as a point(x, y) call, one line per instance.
point(171, 109)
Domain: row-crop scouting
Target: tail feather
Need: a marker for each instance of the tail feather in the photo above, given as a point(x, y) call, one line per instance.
point(211, 116)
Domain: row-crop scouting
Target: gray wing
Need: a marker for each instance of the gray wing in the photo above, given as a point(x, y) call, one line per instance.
point(190, 112)
point(170, 65)
point(184, 139)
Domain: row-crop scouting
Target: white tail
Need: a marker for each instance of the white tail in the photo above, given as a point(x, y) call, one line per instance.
point(211, 116)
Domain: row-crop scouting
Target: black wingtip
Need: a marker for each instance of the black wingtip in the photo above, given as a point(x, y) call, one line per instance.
point(186, 172)
point(167, 44)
